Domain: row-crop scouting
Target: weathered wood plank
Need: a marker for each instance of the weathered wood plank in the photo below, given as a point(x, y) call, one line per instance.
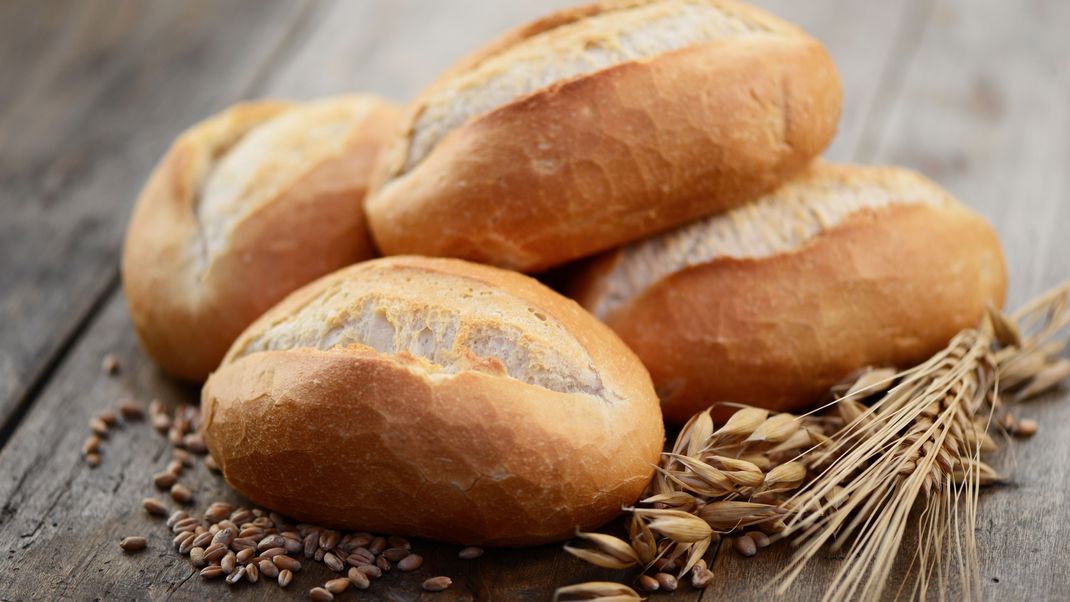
point(985, 110)
point(49, 501)
point(394, 48)
point(94, 92)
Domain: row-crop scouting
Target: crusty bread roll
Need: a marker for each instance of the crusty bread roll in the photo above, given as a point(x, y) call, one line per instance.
point(773, 302)
point(603, 124)
point(434, 398)
point(244, 208)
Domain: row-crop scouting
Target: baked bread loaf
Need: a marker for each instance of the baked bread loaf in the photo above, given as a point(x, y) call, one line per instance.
point(244, 208)
point(434, 398)
point(772, 303)
point(603, 124)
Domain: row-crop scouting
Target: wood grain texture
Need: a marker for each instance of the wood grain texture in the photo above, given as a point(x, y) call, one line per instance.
point(94, 92)
point(393, 48)
point(974, 93)
point(984, 108)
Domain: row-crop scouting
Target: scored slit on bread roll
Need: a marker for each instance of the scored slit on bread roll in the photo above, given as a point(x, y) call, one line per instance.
point(603, 124)
point(772, 303)
point(434, 398)
point(245, 207)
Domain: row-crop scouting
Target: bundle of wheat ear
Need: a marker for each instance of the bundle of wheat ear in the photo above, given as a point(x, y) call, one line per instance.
point(891, 451)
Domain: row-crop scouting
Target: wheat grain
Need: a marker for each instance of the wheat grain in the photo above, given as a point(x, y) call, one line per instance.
point(154, 506)
point(252, 572)
point(395, 554)
point(333, 562)
point(229, 562)
point(110, 364)
point(133, 544)
point(181, 494)
point(370, 570)
point(701, 576)
point(131, 411)
point(236, 576)
point(666, 582)
point(286, 576)
point(648, 583)
point(1026, 427)
point(336, 586)
point(410, 563)
point(267, 568)
point(746, 546)
point(359, 579)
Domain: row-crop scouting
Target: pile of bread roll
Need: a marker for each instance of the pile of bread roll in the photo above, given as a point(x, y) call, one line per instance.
point(666, 151)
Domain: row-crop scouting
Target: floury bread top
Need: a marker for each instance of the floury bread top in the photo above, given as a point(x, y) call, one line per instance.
point(601, 125)
point(784, 220)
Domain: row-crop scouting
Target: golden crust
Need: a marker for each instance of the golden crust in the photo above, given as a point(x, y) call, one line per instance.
point(599, 160)
point(429, 279)
point(885, 286)
point(783, 220)
point(188, 301)
point(355, 438)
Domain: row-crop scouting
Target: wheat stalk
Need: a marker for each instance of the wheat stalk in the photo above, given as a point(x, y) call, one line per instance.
point(853, 471)
point(714, 481)
point(920, 445)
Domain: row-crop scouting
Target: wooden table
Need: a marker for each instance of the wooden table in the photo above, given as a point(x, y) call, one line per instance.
point(975, 93)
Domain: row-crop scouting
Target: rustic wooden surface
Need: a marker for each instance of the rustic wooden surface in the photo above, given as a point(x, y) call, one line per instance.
point(976, 93)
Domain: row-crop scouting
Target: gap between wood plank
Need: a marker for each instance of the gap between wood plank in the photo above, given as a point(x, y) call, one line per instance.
point(47, 368)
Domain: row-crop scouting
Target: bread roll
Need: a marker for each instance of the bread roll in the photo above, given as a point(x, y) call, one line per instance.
point(603, 124)
point(434, 398)
point(244, 208)
point(772, 303)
